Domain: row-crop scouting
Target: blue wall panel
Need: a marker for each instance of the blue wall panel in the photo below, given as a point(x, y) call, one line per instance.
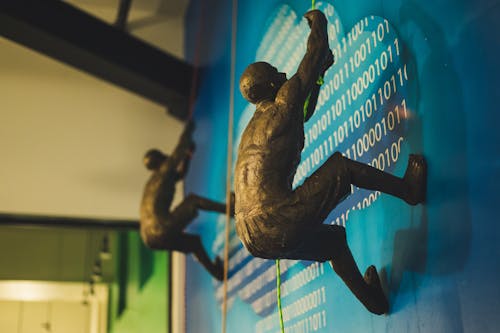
point(440, 261)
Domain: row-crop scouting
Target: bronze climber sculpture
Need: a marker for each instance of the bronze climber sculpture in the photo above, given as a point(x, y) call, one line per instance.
point(162, 228)
point(275, 221)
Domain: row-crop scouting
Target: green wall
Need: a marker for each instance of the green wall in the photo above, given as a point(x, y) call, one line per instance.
point(140, 294)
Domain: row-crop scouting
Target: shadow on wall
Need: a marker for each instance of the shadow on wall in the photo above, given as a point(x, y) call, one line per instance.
point(438, 241)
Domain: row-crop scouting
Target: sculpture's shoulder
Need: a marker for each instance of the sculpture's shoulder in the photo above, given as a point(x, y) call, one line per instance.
point(262, 124)
point(159, 191)
point(289, 93)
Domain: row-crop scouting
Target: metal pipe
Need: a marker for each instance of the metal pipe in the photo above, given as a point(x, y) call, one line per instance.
point(21, 220)
point(122, 17)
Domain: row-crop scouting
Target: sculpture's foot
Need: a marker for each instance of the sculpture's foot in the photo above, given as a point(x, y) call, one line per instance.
point(232, 201)
point(377, 302)
point(218, 269)
point(416, 178)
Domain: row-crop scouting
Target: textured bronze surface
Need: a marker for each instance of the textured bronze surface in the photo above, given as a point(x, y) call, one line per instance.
point(273, 220)
point(162, 228)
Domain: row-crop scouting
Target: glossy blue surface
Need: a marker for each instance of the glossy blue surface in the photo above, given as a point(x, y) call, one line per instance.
point(440, 261)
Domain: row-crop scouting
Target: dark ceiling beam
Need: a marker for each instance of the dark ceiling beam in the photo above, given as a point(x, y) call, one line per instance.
point(22, 220)
point(78, 39)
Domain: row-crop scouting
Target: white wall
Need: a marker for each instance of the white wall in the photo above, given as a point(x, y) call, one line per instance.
point(71, 144)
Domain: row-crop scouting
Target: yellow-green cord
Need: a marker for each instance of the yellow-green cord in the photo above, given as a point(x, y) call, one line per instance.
point(278, 272)
point(278, 291)
point(306, 104)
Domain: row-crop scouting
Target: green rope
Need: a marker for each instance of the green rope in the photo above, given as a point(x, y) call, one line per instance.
point(306, 105)
point(319, 82)
point(278, 291)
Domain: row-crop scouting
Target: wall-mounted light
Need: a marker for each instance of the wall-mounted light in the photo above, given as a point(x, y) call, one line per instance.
point(96, 271)
point(105, 252)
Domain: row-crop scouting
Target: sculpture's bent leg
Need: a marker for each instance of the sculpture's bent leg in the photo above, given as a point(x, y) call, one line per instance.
point(197, 202)
point(367, 289)
point(187, 210)
point(188, 243)
point(328, 242)
point(411, 188)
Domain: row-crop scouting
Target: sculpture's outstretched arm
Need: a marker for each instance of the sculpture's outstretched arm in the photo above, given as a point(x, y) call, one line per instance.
point(318, 57)
point(185, 147)
point(313, 97)
point(192, 244)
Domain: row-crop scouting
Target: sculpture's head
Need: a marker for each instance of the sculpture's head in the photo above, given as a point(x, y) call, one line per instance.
point(153, 159)
point(260, 81)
